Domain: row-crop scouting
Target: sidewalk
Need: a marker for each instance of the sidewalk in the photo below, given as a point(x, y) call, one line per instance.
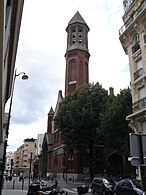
point(13, 192)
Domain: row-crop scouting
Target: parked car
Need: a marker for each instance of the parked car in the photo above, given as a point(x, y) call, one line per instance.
point(129, 187)
point(102, 186)
point(111, 181)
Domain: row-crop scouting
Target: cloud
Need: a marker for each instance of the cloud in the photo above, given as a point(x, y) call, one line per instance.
point(42, 46)
point(43, 84)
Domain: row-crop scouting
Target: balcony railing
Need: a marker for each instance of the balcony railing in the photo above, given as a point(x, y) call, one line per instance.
point(139, 105)
point(138, 73)
point(132, 17)
point(127, 4)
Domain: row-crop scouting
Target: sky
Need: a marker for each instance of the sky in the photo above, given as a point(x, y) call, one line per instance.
point(41, 49)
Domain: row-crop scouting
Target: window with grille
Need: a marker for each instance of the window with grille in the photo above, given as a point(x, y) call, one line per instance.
point(139, 69)
point(136, 43)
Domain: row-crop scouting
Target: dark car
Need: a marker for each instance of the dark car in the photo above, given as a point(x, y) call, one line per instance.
point(111, 181)
point(129, 187)
point(102, 186)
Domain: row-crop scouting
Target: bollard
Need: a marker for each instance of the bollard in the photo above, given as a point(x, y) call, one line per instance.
point(13, 184)
point(22, 183)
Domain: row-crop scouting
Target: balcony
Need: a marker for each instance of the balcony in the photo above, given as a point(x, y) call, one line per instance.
point(138, 73)
point(132, 17)
point(139, 105)
point(127, 4)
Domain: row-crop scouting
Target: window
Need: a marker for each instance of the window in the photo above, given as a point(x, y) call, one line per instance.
point(142, 92)
point(80, 30)
point(81, 69)
point(139, 69)
point(126, 4)
point(72, 70)
point(144, 127)
point(73, 36)
point(80, 36)
point(127, 184)
point(144, 38)
point(8, 6)
point(136, 43)
point(86, 72)
point(142, 97)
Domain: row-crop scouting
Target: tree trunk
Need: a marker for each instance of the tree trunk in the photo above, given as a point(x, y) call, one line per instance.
point(91, 160)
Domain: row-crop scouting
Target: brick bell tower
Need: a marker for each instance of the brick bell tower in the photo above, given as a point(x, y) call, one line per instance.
point(77, 54)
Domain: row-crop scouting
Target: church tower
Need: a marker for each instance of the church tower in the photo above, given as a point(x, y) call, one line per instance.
point(77, 54)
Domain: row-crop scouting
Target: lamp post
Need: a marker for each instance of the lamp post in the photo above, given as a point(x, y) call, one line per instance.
point(30, 163)
point(24, 77)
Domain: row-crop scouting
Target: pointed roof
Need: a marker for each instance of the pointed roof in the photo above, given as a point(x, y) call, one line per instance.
point(51, 112)
point(77, 18)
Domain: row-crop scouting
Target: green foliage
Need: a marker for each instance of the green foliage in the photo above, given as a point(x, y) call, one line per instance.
point(79, 116)
point(114, 129)
point(89, 115)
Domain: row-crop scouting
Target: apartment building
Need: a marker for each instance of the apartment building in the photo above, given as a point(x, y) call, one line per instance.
point(9, 159)
point(133, 39)
point(24, 156)
point(10, 21)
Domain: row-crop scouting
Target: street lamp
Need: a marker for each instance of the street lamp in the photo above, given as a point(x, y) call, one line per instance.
point(30, 159)
point(24, 77)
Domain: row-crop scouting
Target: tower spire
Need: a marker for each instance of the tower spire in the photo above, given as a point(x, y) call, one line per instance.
point(77, 54)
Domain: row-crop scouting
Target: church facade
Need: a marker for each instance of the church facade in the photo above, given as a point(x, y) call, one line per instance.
point(54, 159)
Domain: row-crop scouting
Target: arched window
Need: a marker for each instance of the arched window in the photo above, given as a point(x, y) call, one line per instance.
point(73, 36)
point(72, 70)
point(86, 72)
point(136, 43)
point(80, 36)
point(136, 38)
point(81, 75)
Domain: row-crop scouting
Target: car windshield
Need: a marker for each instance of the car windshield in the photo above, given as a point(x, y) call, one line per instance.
point(137, 183)
point(110, 180)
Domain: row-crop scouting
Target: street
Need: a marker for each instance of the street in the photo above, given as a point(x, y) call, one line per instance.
point(16, 187)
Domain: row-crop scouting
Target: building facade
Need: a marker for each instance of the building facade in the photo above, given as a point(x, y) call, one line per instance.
point(24, 156)
point(133, 39)
point(54, 159)
point(9, 163)
point(77, 55)
point(10, 21)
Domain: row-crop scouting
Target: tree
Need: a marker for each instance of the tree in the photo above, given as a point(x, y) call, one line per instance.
point(114, 129)
point(78, 118)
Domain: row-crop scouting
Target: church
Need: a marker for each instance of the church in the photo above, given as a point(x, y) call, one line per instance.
point(54, 160)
